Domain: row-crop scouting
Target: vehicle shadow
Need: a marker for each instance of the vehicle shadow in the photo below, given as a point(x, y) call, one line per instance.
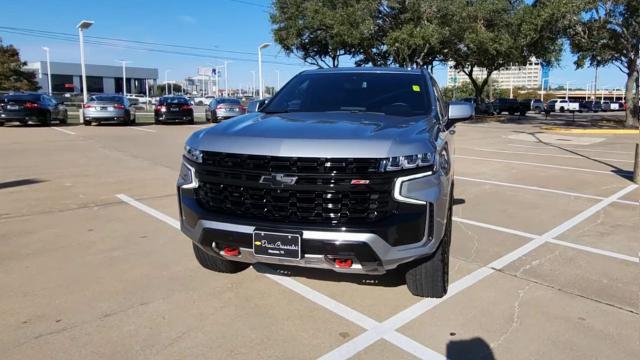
point(393, 278)
point(459, 201)
point(576, 120)
point(474, 348)
point(20, 182)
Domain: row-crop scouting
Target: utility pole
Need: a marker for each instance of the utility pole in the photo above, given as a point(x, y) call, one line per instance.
point(566, 97)
point(166, 84)
point(226, 79)
point(595, 85)
point(278, 87)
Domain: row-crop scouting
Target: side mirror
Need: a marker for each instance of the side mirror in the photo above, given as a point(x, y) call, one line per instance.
point(460, 111)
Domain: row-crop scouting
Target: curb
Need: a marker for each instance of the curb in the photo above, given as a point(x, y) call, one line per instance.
point(593, 131)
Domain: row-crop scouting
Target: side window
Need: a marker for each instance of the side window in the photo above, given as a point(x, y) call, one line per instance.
point(439, 100)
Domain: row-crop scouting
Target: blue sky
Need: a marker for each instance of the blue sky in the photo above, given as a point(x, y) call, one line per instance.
point(223, 25)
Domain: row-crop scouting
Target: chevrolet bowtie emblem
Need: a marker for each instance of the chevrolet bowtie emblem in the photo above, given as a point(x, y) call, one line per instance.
point(278, 180)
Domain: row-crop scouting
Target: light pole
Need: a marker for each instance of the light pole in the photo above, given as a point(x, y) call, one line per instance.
point(253, 83)
point(542, 88)
point(566, 97)
point(262, 46)
point(46, 49)
point(166, 85)
point(124, 76)
point(82, 26)
point(226, 79)
point(278, 87)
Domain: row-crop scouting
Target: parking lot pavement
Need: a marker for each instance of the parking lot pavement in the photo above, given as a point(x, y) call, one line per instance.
point(544, 259)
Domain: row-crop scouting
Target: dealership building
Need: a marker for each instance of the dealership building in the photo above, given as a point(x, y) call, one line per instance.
point(67, 78)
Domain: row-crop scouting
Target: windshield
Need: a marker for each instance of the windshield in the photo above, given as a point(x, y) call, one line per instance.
point(399, 94)
point(116, 99)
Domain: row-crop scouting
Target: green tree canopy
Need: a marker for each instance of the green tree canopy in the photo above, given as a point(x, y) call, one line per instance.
point(12, 75)
point(608, 32)
point(321, 32)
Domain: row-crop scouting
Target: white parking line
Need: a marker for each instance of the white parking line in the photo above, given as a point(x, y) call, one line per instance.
point(542, 165)
point(540, 154)
point(554, 241)
point(328, 303)
point(544, 189)
point(360, 342)
point(141, 129)
point(568, 148)
point(63, 130)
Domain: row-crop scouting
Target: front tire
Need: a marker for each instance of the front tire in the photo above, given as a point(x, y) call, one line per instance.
point(217, 264)
point(430, 277)
point(562, 110)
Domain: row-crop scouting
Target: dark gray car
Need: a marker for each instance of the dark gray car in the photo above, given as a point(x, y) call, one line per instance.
point(224, 108)
point(347, 169)
point(108, 109)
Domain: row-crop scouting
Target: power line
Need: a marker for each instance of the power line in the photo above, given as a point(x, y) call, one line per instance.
point(244, 2)
point(73, 38)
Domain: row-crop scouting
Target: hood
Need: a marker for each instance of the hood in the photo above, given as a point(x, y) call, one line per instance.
point(322, 134)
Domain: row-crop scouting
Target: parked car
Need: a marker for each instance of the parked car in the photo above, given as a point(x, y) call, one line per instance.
point(480, 108)
point(611, 106)
point(562, 105)
point(107, 109)
point(173, 109)
point(590, 106)
point(142, 99)
point(255, 105)
point(203, 100)
point(535, 105)
point(287, 185)
point(510, 106)
point(224, 108)
point(26, 108)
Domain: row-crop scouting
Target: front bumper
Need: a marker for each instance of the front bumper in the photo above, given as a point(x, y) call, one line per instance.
point(370, 247)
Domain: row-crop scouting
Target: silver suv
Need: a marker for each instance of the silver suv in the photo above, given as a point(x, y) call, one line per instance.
point(345, 169)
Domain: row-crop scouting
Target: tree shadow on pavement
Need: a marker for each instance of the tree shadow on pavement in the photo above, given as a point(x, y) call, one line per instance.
point(474, 348)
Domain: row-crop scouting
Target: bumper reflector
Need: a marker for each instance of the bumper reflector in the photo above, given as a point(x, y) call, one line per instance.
point(230, 251)
point(344, 263)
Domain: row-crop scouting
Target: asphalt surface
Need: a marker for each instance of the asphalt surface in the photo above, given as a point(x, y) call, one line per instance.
point(544, 259)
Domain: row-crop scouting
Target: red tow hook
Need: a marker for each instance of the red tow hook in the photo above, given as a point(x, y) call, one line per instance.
point(231, 251)
point(344, 263)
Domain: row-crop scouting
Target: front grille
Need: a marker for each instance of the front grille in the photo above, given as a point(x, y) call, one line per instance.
point(230, 184)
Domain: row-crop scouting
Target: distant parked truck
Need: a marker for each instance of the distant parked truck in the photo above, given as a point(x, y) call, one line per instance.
point(593, 106)
point(562, 105)
point(610, 106)
point(511, 106)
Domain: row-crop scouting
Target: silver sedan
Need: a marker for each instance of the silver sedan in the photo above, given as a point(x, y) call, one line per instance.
point(108, 108)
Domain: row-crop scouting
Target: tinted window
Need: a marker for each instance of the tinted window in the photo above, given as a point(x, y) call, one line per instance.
point(174, 100)
point(228, 101)
point(22, 97)
point(110, 98)
point(400, 94)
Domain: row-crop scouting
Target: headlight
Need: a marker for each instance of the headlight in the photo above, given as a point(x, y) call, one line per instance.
point(187, 177)
point(193, 154)
point(395, 163)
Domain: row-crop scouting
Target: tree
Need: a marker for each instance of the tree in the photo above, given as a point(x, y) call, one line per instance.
point(12, 75)
point(608, 32)
point(177, 89)
point(494, 34)
point(321, 32)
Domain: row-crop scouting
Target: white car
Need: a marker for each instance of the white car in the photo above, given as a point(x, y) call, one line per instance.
point(142, 99)
point(203, 100)
point(562, 105)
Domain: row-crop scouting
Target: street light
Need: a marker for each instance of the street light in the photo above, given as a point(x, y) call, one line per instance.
point(46, 49)
point(226, 79)
point(82, 26)
point(124, 76)
point(166, 85)
point(278, 87)
point(262, 46)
